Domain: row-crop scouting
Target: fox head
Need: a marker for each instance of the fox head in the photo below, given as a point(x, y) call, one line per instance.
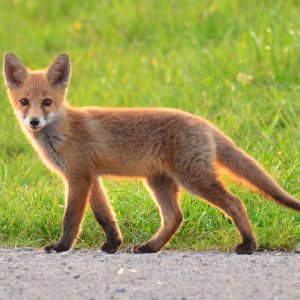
point(37, 96)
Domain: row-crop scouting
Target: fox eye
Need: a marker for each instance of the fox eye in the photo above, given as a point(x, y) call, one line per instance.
point(47, 102)
point(24, 101)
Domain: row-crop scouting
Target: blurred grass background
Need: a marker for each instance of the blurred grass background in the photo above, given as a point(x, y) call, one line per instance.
point(235, 63)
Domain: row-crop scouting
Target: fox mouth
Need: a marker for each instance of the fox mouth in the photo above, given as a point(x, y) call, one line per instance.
point(34, 128)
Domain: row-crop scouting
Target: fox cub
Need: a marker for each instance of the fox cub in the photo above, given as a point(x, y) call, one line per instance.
point(166, 147)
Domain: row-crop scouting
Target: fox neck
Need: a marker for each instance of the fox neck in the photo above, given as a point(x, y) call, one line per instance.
point(50, 140)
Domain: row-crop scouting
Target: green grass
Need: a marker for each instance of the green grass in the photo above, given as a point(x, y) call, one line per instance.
point(235, 63)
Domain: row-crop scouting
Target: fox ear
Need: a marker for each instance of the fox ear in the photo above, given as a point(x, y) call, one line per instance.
point(15, 73)
point(59, 72)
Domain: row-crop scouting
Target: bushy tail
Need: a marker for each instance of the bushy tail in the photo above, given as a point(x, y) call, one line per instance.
point(245, 167)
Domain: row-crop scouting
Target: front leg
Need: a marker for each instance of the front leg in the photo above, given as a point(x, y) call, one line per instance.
point(105, 217)
point(78, 188)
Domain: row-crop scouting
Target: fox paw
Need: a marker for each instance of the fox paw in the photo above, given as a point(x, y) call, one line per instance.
point(111, 246)
point(140, 248)
point(246, 247)
point(57, 247)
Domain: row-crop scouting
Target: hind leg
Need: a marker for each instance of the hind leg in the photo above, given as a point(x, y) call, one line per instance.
point(192, 164)
point(165, 192)
point(213, 191)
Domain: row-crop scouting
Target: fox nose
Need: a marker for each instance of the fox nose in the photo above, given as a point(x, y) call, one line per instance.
point(34, 121)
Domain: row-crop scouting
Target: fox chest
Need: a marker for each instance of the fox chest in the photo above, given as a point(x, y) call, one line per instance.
point(50, 146)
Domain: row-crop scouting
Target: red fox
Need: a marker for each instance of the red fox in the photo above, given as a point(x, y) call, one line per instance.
point(168, 148)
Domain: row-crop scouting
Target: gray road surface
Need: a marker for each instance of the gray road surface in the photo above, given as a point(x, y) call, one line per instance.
point(92, 274)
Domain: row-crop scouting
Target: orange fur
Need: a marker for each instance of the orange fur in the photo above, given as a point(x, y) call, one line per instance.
point(167, 147)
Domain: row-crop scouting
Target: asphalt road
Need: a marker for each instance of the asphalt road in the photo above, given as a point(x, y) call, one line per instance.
point(92, 274)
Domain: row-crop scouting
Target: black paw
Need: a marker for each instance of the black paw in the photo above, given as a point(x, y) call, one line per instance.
point(140, 248)
point(111, 246)
point(246, 247)
point(57, 247)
